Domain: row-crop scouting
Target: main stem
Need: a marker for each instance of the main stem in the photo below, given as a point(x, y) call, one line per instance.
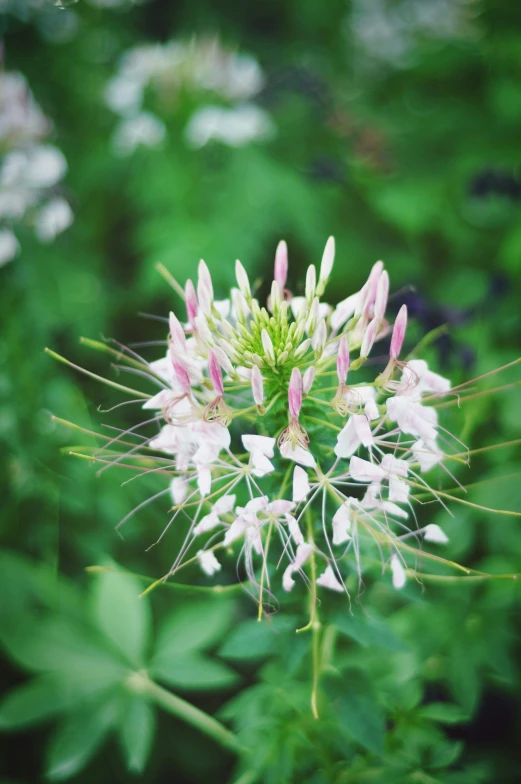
point(140, 683)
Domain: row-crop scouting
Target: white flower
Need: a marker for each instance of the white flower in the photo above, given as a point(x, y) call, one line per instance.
point(9, 246)
point(208, 562)
point(178, 489)
point(355, 433)
point(398, 572)
point(235, 127)
point(298, 454)
point(304, 550)
point(261, 448)
point(301, 487)
point(417, 379)
point(396, 470)
point(364, 471)
point(53, 218)
point(426, 456)
point(329, 580)
point(412, 417)
point(144, 129)
point(433, 533)
point(342, 522)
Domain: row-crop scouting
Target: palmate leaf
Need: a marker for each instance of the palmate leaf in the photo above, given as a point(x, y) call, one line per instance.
point(193, 627)
point(357, 709)
point(37, 700)
point(193, 671)
point(121, 615)
point(78, 738)
point(136, 733)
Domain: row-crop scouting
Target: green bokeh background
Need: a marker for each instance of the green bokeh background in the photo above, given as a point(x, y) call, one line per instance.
point(417, 162)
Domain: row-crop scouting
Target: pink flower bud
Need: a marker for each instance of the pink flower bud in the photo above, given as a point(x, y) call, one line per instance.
point(281, 264)
point(328, 258)
point(295, 393)
point(369, 338)
point(308, 379)
point(242, 280)
point(371, 285)
point(177, 332)
point(398, 335)
point(257, 385)
point(192, 306)
point(216, 375)
point(181, 374)
point(205, 288)
point(342, 360)
point(382, 292)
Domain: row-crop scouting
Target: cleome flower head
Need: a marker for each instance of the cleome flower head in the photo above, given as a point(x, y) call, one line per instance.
point(283, 446)
point(297, 436)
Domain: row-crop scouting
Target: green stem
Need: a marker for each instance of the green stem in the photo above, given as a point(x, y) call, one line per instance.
point(140, 683)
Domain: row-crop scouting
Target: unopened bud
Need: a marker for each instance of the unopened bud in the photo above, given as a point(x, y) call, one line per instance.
point(295, 393)
point(216, 376)
point(267, 345)
point(242, 280)
point(192, 306)
point(382, 292)
point(180, 372)
point(326, 265)
point(177, 332)
point(318, 340)
point(311, 282)
point(257, 385)
point(281, 264)
point(308, 379)
point(342, 360)
point(301, 350)
point(398, 335)
point(369, 338)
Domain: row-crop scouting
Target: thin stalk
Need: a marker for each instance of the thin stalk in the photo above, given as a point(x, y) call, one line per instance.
point(140, 683)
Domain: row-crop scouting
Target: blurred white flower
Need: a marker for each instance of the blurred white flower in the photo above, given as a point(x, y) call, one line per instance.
point(53, 218)
point(29, 169)
point(9, 246)
point(144, 129)
point(197, 66)
point(235, 127)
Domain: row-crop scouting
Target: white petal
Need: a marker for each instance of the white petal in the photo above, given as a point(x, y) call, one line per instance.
point(433, 533)
point(298, 454)
point(204, 478)
point(207, 523)
point(301, 486)
point(342, 524)
point(364, 471)
point(224, 504)
point(178, 489)
point(399, 577)
point(328, 580)
point(280, 507)
point(371, 410)
point(427, 455)
point(263, 444)
point(294, 529)
point(208, 562)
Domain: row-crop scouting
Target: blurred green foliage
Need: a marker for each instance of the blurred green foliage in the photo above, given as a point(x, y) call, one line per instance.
point(416, 161)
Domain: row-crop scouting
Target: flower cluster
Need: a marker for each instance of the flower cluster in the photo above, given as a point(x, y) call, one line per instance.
point(275, 447)
point(200, 68)
point(30, 169)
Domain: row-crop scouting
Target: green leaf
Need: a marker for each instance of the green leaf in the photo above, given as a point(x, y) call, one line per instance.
point(250, 640)
point(137, 732)
point(194, 671)
point(77, 740)
point(195, 626)
point(443, 712)
point(357, 709)
point(369, 632)
point(37, 700)
point(121, 615)
point(61, 644)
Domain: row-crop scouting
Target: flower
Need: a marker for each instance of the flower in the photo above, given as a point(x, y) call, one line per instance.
point(30, 169)
point(204, 69)
point(260, 466)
